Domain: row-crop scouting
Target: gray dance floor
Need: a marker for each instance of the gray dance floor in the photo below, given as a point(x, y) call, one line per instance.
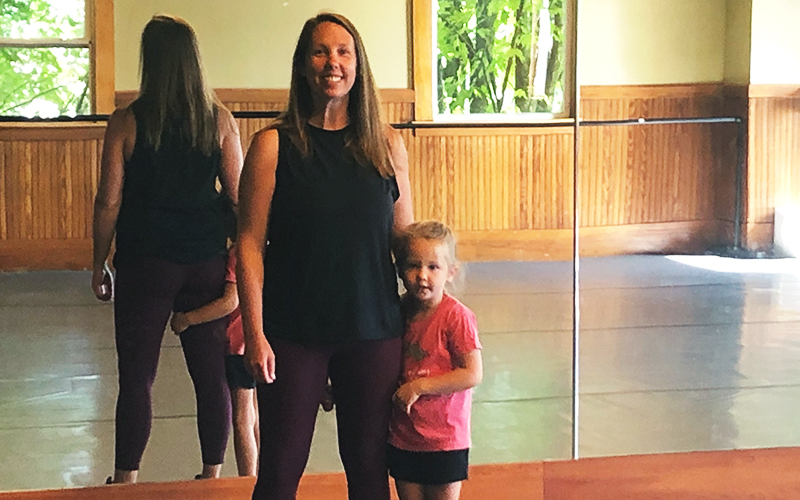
point(677, 354)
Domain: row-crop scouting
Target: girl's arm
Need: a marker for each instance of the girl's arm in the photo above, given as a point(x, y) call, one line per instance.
point(255, 193)
point(117, 143)
point(215, 309)
point(403, 210)
point(231, 149)
point(467, 374)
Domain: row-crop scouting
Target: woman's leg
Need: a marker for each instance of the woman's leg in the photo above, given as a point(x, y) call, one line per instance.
point(245, 438)
point(143, 302)
point(287, 411)
point(204, 350)
point(364, 376)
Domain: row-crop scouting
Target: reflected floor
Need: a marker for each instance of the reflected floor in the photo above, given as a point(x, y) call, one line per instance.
point(683, 354)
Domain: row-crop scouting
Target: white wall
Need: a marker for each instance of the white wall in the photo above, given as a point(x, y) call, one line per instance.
point(775, 56)
point(641, 42)
point(249, 43)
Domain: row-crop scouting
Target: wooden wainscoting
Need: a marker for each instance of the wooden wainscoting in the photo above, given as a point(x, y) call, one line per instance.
point(773, 178)
point(506, 192)
point(48, 179)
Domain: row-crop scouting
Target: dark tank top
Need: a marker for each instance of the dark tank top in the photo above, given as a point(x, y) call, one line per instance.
point(170, 205)
point(328, 271)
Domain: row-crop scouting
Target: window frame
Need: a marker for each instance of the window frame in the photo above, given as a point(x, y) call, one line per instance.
point(422, 40)
point(98, 37)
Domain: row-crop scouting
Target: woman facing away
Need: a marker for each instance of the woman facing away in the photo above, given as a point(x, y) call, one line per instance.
point(162, 157)
point(323, 192)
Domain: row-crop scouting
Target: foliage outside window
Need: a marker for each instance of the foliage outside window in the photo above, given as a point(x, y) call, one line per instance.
point(44, 58)
point(500, 56)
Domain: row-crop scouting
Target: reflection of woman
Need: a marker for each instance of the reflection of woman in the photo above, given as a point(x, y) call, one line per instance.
point(321, 299)
point(162, 157)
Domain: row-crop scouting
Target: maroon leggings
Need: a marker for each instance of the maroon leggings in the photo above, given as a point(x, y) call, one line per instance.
point(364, 376)
point(146, 293)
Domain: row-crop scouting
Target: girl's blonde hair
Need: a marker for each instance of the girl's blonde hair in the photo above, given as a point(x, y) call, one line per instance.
point(366, 138)
point(431, 230)
point(173, 92)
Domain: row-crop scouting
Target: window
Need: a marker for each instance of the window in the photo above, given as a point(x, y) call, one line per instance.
point(490, 57)
point(48, 57)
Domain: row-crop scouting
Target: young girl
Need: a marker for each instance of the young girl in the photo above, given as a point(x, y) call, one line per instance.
point(430, 429)
point(242, 385)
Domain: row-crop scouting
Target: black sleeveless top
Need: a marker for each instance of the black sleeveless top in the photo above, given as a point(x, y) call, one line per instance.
point(328, 271)
point(170, 205)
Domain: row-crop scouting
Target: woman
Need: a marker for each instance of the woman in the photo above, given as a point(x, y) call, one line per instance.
point(162, 157)
point(327, 186)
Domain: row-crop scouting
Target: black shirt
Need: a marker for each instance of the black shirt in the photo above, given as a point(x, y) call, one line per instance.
point(328, 271)
point(170, 205)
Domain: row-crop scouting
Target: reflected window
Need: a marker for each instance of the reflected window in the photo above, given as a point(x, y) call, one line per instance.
point(45, 62)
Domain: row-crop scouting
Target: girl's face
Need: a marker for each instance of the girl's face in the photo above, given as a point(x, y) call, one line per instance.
point(427, 271)
point(332, 61)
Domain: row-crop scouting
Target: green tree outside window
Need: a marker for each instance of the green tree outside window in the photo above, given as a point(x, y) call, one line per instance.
point(500, 56)
point(44, 58)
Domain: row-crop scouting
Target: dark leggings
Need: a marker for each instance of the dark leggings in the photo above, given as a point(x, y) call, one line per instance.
point(146, 293)
point(364, 376)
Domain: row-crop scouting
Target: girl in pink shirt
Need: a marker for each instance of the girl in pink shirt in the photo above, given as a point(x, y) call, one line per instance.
point(429, 436)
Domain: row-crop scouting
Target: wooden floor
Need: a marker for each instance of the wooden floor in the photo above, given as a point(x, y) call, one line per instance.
point(721, 475)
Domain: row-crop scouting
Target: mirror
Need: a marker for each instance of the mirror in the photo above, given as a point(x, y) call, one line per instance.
point(675, 356)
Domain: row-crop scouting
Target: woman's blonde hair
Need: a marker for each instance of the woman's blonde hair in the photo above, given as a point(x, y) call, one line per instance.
point(173, 92)
point(366, 139)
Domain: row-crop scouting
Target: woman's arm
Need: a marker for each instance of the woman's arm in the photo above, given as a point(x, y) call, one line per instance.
point(255, 191)
point(215, 309)
point(403, 210)
point(118, 141)
point(231, 146)
point(467, 374)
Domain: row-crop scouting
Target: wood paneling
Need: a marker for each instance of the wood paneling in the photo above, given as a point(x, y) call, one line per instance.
point(48, 177)
point(773, 178)
point(506, 192)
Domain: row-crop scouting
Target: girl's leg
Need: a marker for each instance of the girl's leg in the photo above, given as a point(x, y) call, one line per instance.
point(245, 420)
point(450, 491)
point(409, 491)
point(204, 350)
point(364, 376)
point(287, 410)
point(144, 295)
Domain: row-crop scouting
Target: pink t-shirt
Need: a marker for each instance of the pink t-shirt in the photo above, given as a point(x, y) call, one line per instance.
point(442, 422)
point(235, 331)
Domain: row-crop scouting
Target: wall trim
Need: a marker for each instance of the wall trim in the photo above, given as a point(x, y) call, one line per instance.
point(762, 91)
point(650, 91)
point(556, 244)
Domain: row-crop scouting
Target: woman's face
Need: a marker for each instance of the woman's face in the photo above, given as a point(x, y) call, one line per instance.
point(331, 64)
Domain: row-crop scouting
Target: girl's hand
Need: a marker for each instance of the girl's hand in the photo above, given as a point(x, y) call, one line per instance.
point(179, 322)
point(407, 395)
point(260, 360)
point(102, 283)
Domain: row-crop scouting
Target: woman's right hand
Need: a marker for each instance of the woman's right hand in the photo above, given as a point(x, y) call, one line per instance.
point(260, 361)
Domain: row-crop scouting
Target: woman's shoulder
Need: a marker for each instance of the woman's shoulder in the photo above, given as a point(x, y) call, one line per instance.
point(122, 124)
